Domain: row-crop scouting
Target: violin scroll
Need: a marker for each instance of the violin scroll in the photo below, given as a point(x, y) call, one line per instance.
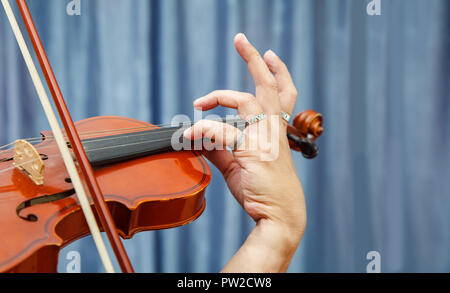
point(307, 127)
point(310, 123)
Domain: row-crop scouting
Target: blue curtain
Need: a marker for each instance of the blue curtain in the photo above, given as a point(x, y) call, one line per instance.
point(381, 182)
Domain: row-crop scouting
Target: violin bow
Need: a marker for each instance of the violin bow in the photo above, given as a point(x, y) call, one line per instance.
point(83, 162)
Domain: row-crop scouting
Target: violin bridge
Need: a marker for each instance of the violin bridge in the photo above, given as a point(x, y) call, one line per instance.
point(28, 160)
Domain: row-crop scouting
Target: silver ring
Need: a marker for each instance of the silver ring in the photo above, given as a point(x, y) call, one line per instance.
point(256, 118)
point(286, 117)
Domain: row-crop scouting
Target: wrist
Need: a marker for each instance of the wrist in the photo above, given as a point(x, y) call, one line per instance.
point(282, 235)
point(280, 241)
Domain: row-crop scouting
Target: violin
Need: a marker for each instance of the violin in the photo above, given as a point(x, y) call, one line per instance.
point(136, 179)
point(133, 176)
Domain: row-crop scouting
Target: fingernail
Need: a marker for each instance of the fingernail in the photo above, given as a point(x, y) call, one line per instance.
point(196, 104)
point(271, 56)
point(243, 36)
point(271, 53)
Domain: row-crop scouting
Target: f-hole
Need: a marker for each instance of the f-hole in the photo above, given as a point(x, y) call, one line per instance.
point(41, 200)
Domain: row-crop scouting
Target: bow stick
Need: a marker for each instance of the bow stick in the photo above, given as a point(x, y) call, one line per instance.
point(86, 169)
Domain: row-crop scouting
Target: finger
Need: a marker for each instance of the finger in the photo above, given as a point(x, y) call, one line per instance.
point(245, 103)
point(266, 85)
point(286, 88)
point(222, 134)
point(223, 160)
point(229, 167)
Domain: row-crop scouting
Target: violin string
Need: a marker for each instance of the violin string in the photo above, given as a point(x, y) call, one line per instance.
point(132, 134)
point(137, 134)
point(150, 127)
point(98, 131)
point(128, 144)
point(13, 167)
point(6, 146)
point(242, 123)
point(134, 143)
point(104, 148)
point(95, 149)
point(38, 139)
point(30, 139)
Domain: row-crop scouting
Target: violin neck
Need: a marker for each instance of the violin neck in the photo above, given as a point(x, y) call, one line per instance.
point(113, 149)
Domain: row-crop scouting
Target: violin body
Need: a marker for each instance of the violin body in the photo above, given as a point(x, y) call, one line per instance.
point(154, 192)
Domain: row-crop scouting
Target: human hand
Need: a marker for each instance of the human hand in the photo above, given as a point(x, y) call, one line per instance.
point(260, 173)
